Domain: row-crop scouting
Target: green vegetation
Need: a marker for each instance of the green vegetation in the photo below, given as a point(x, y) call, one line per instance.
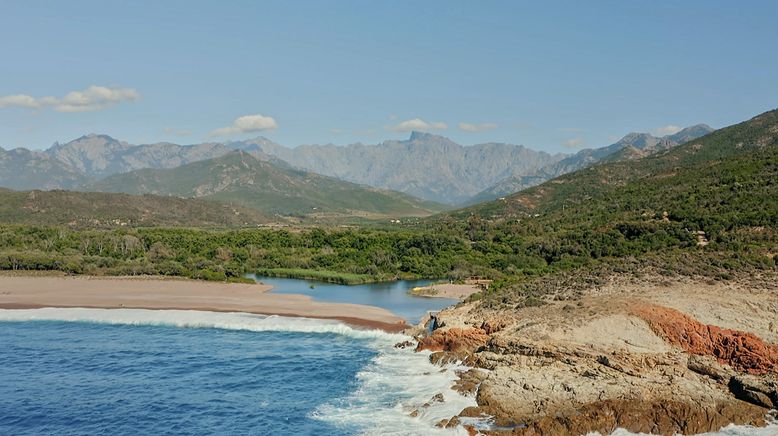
point(423, 291)
point(355, 255)
point(101, 210)
point(706, 208)
point(240, 178)
point(320, 275)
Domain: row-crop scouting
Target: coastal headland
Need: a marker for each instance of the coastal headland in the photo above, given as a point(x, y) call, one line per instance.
point(681, 356)
point(19, 291)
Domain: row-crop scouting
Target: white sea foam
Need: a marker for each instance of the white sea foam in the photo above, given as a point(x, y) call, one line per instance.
point(395, 383)
point(195, 319)
point(394, 375)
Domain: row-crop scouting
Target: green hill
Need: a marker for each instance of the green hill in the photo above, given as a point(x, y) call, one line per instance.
point(727, 176)
point(240, 178)
point(94, 209)
point(707, 208)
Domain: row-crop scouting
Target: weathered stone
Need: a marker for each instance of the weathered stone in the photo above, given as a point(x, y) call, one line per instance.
point(404, 344)
point(445, 358)
point(492, 326)
point(468, 381)
point(708, 366)
point(640, 416)
point(743, 351)
point(754, 390)
point(454, 339)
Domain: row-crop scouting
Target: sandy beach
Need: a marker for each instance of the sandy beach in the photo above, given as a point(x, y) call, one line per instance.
point(37, 291)
point(446, 290)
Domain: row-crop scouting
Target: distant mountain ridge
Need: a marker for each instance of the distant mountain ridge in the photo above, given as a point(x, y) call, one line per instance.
point(427, 166)
point(92, 157)
point(730, 169)
point(240, 178)
point(631, 146)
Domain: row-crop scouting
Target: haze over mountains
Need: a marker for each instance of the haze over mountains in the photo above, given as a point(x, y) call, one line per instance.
point(426, 166)
point(716, 178)
point(631, 146)
point(239, 177)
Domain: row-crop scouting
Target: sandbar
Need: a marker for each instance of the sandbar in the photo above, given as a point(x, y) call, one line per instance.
point(38, 291)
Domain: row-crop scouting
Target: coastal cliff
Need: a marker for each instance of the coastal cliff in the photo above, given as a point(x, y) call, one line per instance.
point(685, 356)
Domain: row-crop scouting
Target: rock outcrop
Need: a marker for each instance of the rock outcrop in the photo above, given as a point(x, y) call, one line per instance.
point(615, 359)
point(455, 340)
point(741, 350)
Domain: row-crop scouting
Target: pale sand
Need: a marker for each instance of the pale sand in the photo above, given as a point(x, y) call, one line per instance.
point(446, 290)
point(27, 292)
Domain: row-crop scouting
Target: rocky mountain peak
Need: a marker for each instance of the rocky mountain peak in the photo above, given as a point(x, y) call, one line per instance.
point(420, 136)
point(690, 133)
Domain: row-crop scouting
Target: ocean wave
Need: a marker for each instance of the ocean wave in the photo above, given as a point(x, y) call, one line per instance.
point(392, 387)
point(396, 383)
point(197, 319)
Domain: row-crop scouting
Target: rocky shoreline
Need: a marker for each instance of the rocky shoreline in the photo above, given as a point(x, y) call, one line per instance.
point(618, 356)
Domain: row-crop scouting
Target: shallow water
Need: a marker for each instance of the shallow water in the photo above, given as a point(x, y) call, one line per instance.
point(392, 296)
point(132, 371)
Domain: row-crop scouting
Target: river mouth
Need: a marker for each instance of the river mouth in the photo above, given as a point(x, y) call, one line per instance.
point(392, 296)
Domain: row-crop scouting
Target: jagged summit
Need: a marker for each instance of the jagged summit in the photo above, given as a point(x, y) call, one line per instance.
point(418, 135)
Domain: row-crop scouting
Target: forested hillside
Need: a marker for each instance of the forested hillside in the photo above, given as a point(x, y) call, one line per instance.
point(706, 208)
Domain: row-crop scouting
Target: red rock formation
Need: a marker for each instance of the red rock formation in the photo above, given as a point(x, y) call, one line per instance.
point(455, 339)
point(741, 350)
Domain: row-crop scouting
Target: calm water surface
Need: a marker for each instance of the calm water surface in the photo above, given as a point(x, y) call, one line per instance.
point(392, 296)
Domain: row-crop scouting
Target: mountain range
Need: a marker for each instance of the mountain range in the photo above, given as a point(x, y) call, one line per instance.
point(238, 177)
point(427, 166)
point(631, 146)
point(724, 178)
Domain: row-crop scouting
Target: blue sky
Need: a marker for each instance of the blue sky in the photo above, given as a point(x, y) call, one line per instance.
point(551, 75)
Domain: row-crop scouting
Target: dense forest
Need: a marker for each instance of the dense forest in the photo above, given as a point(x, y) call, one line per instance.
point(704, 208)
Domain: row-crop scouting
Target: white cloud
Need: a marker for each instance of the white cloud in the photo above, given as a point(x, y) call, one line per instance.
point(418, 124)
point(666, 130)
point(93, 98)
point(20, 100)
point(468, 127)
point(573, 143)
point(247, 124)
point(336, 131)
